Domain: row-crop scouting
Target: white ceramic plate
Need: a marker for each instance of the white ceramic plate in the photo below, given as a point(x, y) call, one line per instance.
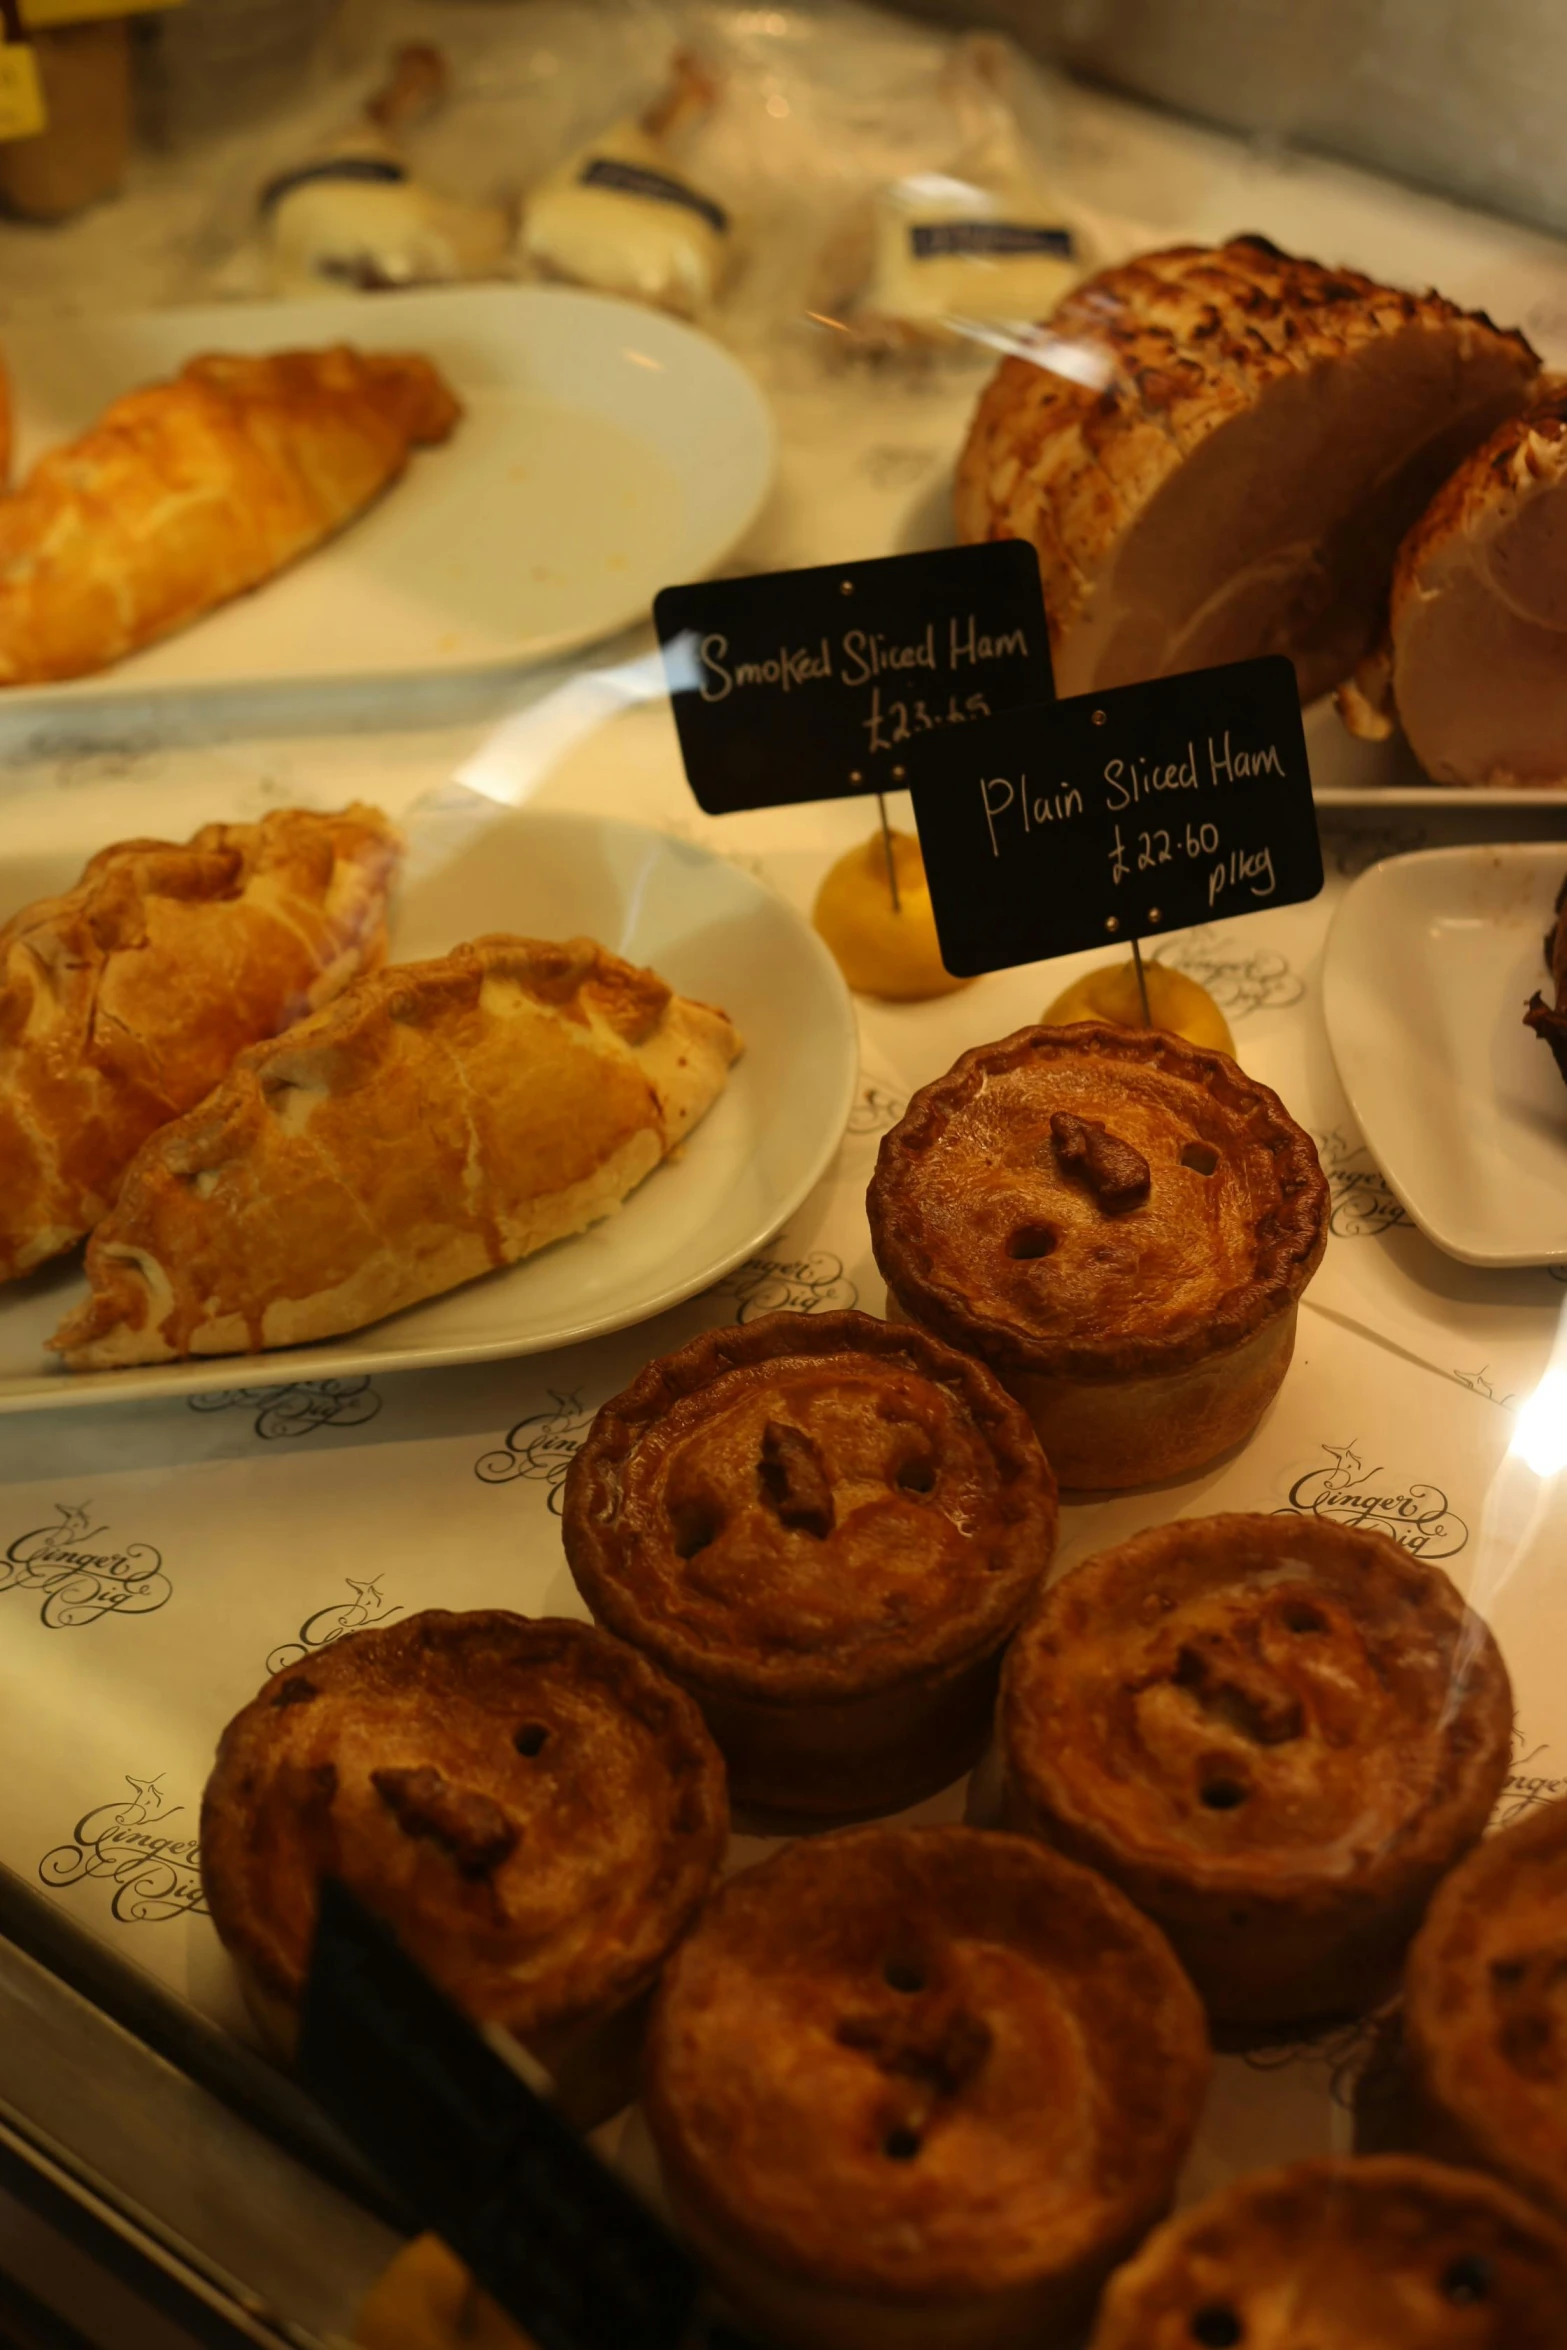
point(712, 932)
point(1430, 962)
point(605, 452)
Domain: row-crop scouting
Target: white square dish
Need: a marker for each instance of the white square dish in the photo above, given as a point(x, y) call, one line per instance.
point(1430, 963)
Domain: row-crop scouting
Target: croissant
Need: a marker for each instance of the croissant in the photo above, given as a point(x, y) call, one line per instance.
point(439, 1119)
point(123, 1002)
point(187, 493)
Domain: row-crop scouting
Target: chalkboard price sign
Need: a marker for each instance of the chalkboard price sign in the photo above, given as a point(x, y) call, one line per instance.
point(818, 684)
point(1119, 815)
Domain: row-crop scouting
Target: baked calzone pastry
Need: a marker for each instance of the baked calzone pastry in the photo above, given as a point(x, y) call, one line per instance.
point(919, 2086)
point(532, 1807)
point(186, 493)
point(1275, 1734)
point(1485, 2010)
point(438, 1120)
point(124, 1001)
point(1120, 1225)
point(826, 1528)
point(1334, 2254)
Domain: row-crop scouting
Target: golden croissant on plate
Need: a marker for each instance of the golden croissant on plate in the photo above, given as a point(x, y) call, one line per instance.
point(186, 493)
point(439, 1119)
point(123, 1002)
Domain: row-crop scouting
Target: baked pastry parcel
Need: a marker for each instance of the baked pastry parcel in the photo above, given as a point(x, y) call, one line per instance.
point(918, 2086)
point(1120, 1225)
point(531, 1806)
point(1274, 1733)
point(436, 1121)
point(124, 1000)
point(184, 494)
point(826, 1528)
point(1485, 2010)
point(1336, 2254)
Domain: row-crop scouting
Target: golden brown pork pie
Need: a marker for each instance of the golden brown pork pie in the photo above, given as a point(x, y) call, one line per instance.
point(1485, 2010)
point(439, 1120)
point(1120, 1226)
point(125, 1000)
point(1334, 2254)
point(1275, 1734)
point(913, 2086)
point(531, 1806)
point(825, 1528)
point(187, 493)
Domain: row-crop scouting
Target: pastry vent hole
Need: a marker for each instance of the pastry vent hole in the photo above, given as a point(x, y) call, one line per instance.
point(1466, 2280)
point(695, 1525)
point(530, 1739)
point(918, 1475)
point(1201, 1157)
point(1304, 1618)
point(1223, 1794)
point(1218, 2327)
point(901, 2144)
point(899, 1974)
point(1032, 1240)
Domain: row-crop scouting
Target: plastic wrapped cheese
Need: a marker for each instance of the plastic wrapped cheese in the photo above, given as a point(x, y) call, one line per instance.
point(619, 216)
point(947, 249)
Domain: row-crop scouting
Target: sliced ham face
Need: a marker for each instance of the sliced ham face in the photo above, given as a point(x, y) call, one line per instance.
point(1476, 662)
point(1265, 433)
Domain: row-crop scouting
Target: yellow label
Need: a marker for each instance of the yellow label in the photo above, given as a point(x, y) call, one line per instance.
point(22, 113)
point(36, 13)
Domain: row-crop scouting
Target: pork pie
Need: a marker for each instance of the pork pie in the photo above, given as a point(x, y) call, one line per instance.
point(531, 1806)
point(1120, 1225)
point(826, 1529)
point(1485, 2010)
point(1333, 2254)
point(913, 2086)
point(1274, 1734)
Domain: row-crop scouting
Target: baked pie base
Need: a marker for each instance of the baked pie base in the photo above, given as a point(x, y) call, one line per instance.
point(1275, 1734)
point(825, 1529)
point(533, 1808)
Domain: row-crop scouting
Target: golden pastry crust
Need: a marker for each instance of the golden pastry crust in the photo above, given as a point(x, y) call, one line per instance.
point(805, 1515)
point(438, 1120)
point(926, 2069)
point(1237, 483)
point(1092, 1207)
point(1386, 2253)
point(532, 1807)
point(1274, 1733)
point(124, 1001)
point(185, 494)
point(1485, 2009)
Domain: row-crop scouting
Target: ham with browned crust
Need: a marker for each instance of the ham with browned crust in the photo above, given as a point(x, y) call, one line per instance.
point(1263, 433)
point(1474, 664)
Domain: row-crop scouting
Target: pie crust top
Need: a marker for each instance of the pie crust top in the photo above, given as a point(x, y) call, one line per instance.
point(1096, 1202)
point(925, 2062)
point(1381, 2253)
point(810, 1506)
point(532, 1807)
point(1486, 2000)
point(1258, 1703)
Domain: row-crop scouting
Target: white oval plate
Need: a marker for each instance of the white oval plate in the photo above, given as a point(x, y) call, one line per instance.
point(605, 452)
point(707, 928)
point(1429, 964)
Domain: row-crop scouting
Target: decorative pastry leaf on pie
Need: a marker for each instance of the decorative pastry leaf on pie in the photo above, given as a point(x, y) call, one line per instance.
point(184, 494)
point(440, 1119)
point(123, 1002)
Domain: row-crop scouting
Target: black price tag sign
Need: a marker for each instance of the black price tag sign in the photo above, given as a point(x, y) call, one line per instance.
point(557, 2239)
point(1119, 815)
point(815, 685)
